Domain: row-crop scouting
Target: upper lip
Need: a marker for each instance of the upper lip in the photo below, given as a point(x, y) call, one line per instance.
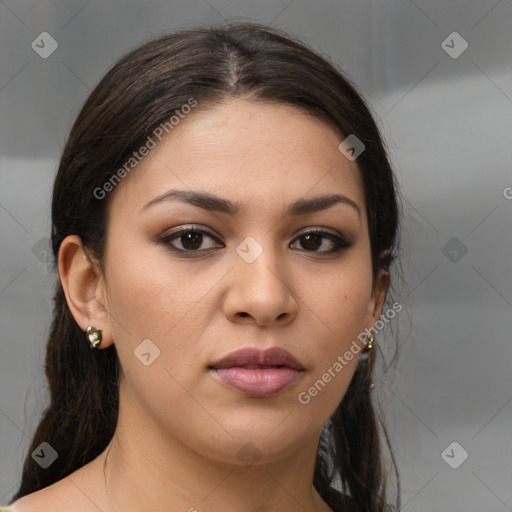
point(273, 356)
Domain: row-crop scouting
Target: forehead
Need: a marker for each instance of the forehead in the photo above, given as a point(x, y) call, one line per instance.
point(254, 153)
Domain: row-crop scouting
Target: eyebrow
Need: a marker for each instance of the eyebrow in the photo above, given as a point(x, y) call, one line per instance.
point(211, 202)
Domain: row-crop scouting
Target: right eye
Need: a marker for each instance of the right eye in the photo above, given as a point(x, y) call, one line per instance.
point(190, 238)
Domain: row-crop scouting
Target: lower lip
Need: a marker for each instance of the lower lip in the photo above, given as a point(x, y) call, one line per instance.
point(258, 383)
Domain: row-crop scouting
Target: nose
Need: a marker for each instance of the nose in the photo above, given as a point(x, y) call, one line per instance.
point(261, 291)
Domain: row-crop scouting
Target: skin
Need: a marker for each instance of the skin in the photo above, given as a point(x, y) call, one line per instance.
point(179, 430)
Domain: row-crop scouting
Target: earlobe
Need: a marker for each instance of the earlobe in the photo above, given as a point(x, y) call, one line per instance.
point(83, 287)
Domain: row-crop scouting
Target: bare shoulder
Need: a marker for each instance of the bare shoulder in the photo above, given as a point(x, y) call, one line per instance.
point(55, 497)
point(70, 493)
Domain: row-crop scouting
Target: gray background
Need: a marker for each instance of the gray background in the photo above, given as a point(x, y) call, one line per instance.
point(448, 123)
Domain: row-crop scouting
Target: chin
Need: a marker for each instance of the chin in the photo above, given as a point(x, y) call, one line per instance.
point(257, 442)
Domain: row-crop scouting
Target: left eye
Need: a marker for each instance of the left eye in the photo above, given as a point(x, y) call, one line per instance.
point(312, 240)
point(191, 240)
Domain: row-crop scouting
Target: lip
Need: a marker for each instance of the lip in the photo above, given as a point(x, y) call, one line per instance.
point(258, 373)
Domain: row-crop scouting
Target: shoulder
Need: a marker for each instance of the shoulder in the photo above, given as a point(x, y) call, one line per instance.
point(55, 497)
point(29, 503)
point(72, 492)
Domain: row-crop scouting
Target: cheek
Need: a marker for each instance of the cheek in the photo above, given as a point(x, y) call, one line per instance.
point(158, 307)
point(168, 301)
point(147, 291)
point(342, 299)
point(335, 361)
point(340, 308)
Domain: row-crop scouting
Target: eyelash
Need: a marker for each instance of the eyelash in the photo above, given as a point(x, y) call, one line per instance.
point(340, 243)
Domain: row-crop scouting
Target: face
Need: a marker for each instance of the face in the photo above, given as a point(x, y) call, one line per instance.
point(260, 267)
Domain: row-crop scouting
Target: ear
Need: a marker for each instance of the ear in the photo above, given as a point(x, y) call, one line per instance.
point(84, 288)
point(379, 292)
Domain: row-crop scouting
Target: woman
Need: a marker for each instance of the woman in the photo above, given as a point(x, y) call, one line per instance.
point(224, 221)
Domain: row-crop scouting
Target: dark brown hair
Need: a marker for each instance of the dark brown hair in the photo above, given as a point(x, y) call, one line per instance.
point(142, 90)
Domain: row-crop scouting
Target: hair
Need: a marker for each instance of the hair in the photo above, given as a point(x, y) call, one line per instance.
point(142, 90)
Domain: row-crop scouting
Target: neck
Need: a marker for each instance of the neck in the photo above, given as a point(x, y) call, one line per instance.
point(144, 467)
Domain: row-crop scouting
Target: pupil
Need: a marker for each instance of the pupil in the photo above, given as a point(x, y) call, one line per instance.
point(310, 238)
point(192, 240)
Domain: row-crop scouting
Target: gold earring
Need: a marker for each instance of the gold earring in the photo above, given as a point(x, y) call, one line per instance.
point(369, 344)
point(368, 348)
point(94, 337)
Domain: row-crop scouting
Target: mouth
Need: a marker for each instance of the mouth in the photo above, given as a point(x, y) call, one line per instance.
point(258, 373)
